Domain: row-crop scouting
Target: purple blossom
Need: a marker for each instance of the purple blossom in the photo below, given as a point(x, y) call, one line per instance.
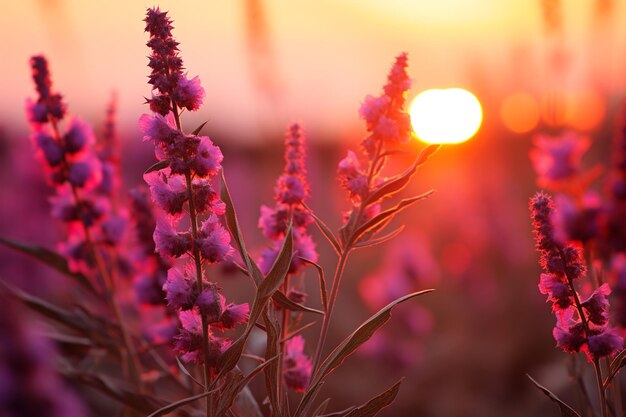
point(78, 136)
point(235, 314)
point(188, 93)
point(179, 289)
point(605, 343)
point(211, 303)
point(169, 192)
point(297, 365)
point(351, 176)
point(214, 241)
point(557, 158)
point(597, 305)
point(208, 158)
point(170, 243)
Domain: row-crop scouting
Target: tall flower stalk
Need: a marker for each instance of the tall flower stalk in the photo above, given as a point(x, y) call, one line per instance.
point(82, 198)
point(183, 178)
point(388, 126)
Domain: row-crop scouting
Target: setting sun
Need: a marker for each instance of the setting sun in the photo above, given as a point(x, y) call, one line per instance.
point(450, 115)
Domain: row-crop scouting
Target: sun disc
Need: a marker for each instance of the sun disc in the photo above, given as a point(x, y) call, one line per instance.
point(451, 115)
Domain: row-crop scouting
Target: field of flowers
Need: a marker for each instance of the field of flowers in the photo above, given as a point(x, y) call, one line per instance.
point(169, 268)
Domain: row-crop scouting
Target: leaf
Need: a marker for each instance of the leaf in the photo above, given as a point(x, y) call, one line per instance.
point(387, 215)
point(322, 281)
point(379, 240)
point(116, 389)
point(566, 410)
point(272, 377)
point(198, 129)
point(399, 182)
point(266, 289)
point(616, 364)
point(173, 406)
point(296, 332)
point(157, 166)
point(373, 406)
point(321, 408)
point(184, 370)
point(75, 321)
point(50, 258)
point(352, 342)
point(325, 230)
point(226, 400)
point(280, 298)
point(233, 225)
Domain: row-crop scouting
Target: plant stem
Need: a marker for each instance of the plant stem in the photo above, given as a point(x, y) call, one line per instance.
point(341, 265)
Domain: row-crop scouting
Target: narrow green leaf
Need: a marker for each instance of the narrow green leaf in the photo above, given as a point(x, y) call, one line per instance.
point(322, 282)
point(387, 215)
point(379, 240)
point(233, 225)
point(616, 364)
point(198, 129)
point(50, 258)
point(373, 406)
point(566, 410)
point(266, 289)
point(157, 166)
point(352, 342)
point(280, 298)
point(325, 230)
point(399, 182)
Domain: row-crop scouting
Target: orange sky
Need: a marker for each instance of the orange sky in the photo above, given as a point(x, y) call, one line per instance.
point(317, 58)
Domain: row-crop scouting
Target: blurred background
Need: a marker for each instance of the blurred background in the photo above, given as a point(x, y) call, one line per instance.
point(534, 66)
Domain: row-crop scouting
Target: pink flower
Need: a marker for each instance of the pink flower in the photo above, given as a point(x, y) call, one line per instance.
point(50, 149)
point(214, 241)
point(605, 344)
point(351, 176)
point(373, 108)
point(557, 291)
point(178, 289)
point(170, 193)
point(556, 158)
point(206, 199)
point(78, 136)
point(297, 366)
point(597, 305)
point(211, 303)
point(235, 314)
point(188, 93)
point(208, 158)
point(168, 242)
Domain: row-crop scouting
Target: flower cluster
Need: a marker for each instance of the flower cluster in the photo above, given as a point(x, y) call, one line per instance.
point(291, 191)
point(388, 125)
point(297, 365)
point(173, 87)
point(582, 325)
point(185, 186)
point(82, 199)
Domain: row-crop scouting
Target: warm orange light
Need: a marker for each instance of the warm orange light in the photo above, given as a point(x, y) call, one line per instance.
point(450, 115)
point(520, 112)
point(587, 110)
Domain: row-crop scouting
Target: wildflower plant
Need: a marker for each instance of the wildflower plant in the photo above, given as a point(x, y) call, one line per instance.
point(580, 262)
point(174, 343)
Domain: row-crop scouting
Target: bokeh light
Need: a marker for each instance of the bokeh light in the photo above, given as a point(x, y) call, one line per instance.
point(520, 112)
point(451, 115)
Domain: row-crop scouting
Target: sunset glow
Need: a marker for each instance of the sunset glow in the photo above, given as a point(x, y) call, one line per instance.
point(450, 115)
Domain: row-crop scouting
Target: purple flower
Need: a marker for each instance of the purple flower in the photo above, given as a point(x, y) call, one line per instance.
point(605, 343)
point(188, 93)
point(179, 289)
point(170, 193)
point(77, 136)
point(557, 290)
point(235, 314)
point(373, 108)
point(170, 243)
point(297, 366)
point(351, 176)
point(214, 241)
point(208, 158)
point(597, 305)
point(211, 303)
point(557, 158)
point(52, 152)
point(206, 199)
